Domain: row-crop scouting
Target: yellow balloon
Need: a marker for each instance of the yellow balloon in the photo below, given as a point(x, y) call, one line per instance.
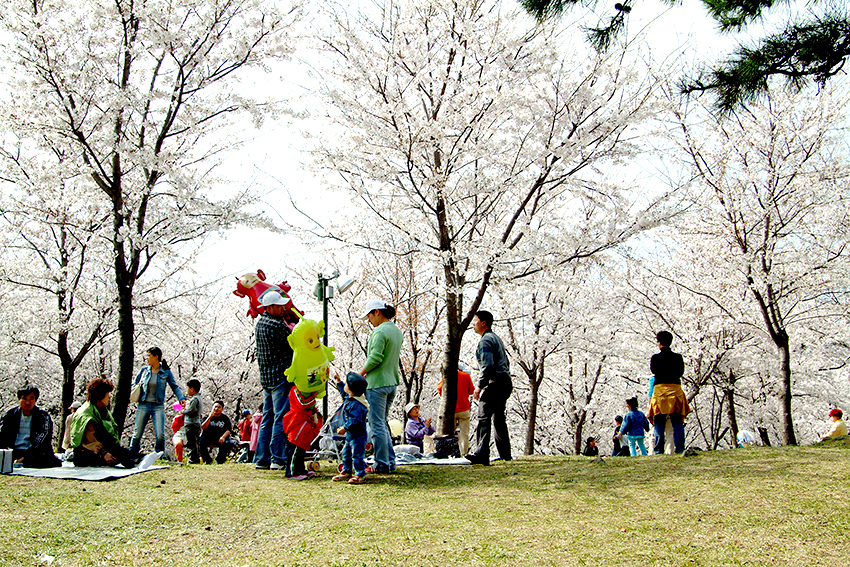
point(311, 359)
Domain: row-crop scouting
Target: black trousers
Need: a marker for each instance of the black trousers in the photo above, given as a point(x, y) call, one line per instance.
point(491, 407)
point(223, 449)
point(193, 434)
point(126, 457)
point(297, 464)
point(37, 459)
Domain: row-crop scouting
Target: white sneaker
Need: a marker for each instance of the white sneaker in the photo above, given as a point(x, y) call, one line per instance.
point(149, 460)
point(276, 467)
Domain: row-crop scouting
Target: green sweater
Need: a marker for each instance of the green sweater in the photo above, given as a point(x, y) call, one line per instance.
point(90, 412)
point(382, 355)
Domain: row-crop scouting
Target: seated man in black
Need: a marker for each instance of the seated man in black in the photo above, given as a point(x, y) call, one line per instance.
point(216, 432)
point(28, 431)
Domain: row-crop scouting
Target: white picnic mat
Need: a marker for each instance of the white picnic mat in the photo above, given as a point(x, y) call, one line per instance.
point(426, 461)
point(69, 471)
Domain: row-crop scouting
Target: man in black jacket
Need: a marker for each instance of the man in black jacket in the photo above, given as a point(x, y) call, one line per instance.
point(28, 431)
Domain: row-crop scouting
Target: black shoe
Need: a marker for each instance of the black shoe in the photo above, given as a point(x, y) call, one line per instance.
point(476, 460)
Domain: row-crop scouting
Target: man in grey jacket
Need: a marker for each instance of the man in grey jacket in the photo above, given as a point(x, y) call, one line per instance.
point(492, 392)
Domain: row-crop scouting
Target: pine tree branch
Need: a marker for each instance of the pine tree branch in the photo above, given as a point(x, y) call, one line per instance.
point(813, 51)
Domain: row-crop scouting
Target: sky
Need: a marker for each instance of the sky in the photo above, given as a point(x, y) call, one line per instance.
point(276, 159)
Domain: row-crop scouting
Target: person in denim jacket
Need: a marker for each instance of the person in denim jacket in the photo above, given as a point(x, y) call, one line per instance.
point(153, 379)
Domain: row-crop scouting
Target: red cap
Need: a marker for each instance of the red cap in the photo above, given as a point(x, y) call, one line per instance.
point(836, 413)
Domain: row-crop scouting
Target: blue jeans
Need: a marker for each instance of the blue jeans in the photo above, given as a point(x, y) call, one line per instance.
point(678, 432)
point(353, 455)
point(271, 440)
point(143, 414)
point(380, 400)
point(636, 440)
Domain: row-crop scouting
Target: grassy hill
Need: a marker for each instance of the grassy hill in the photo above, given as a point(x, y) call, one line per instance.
point(758, 506)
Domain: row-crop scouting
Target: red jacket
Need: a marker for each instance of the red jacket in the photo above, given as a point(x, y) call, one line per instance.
point(303, 421)
point(465, 388)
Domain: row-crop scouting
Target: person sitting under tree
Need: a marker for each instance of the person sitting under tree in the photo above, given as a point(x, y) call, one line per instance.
point(28, 431)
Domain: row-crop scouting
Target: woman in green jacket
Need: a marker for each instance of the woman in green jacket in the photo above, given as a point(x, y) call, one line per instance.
point(381, 373)
point(94, 433)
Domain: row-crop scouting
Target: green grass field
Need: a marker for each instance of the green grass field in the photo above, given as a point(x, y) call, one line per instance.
point(759, 506)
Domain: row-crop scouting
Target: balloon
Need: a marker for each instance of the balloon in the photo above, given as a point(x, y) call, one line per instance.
point(395, 428)
point(311, 359)
point(254, 287)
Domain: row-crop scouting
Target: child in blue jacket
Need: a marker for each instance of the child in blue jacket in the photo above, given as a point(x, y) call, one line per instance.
point(634, 427)
point(354, 410)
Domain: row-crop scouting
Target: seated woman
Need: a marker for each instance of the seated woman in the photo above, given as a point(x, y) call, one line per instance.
point(590, 448)
point(838, 428)
point(417, 428)
point(94, 434)
point(28, 431)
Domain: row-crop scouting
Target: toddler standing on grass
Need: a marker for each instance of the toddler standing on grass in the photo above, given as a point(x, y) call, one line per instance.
point(179, 439)
point(354, 410)
point(634, 427)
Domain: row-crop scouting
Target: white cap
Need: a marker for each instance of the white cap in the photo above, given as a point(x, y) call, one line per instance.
point(374, 304)
point(272, 297)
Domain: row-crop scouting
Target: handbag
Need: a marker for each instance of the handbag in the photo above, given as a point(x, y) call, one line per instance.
point(447, 447)
point(136, 392)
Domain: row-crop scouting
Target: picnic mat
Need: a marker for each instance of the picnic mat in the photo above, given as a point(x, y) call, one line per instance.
point(69, 471)
point(427, 461)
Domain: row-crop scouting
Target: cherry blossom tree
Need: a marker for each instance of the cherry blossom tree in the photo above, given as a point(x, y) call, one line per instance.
point(52, 235)
point(772, 213)
point(461, 126)
point(562, 329)
point(408, 284)
point(142, 98)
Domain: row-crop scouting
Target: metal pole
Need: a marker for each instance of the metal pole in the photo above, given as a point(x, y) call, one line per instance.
point(323, 286)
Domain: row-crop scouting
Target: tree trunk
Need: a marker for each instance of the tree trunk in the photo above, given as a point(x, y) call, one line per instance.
point(730, 409)
point(535, 378)
point(779, 335)
point(577, 436)
point(454, 313)
point(788, 436)
point(126, 354)
point(448, 402)
point(68, 371)
point(764, 438)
